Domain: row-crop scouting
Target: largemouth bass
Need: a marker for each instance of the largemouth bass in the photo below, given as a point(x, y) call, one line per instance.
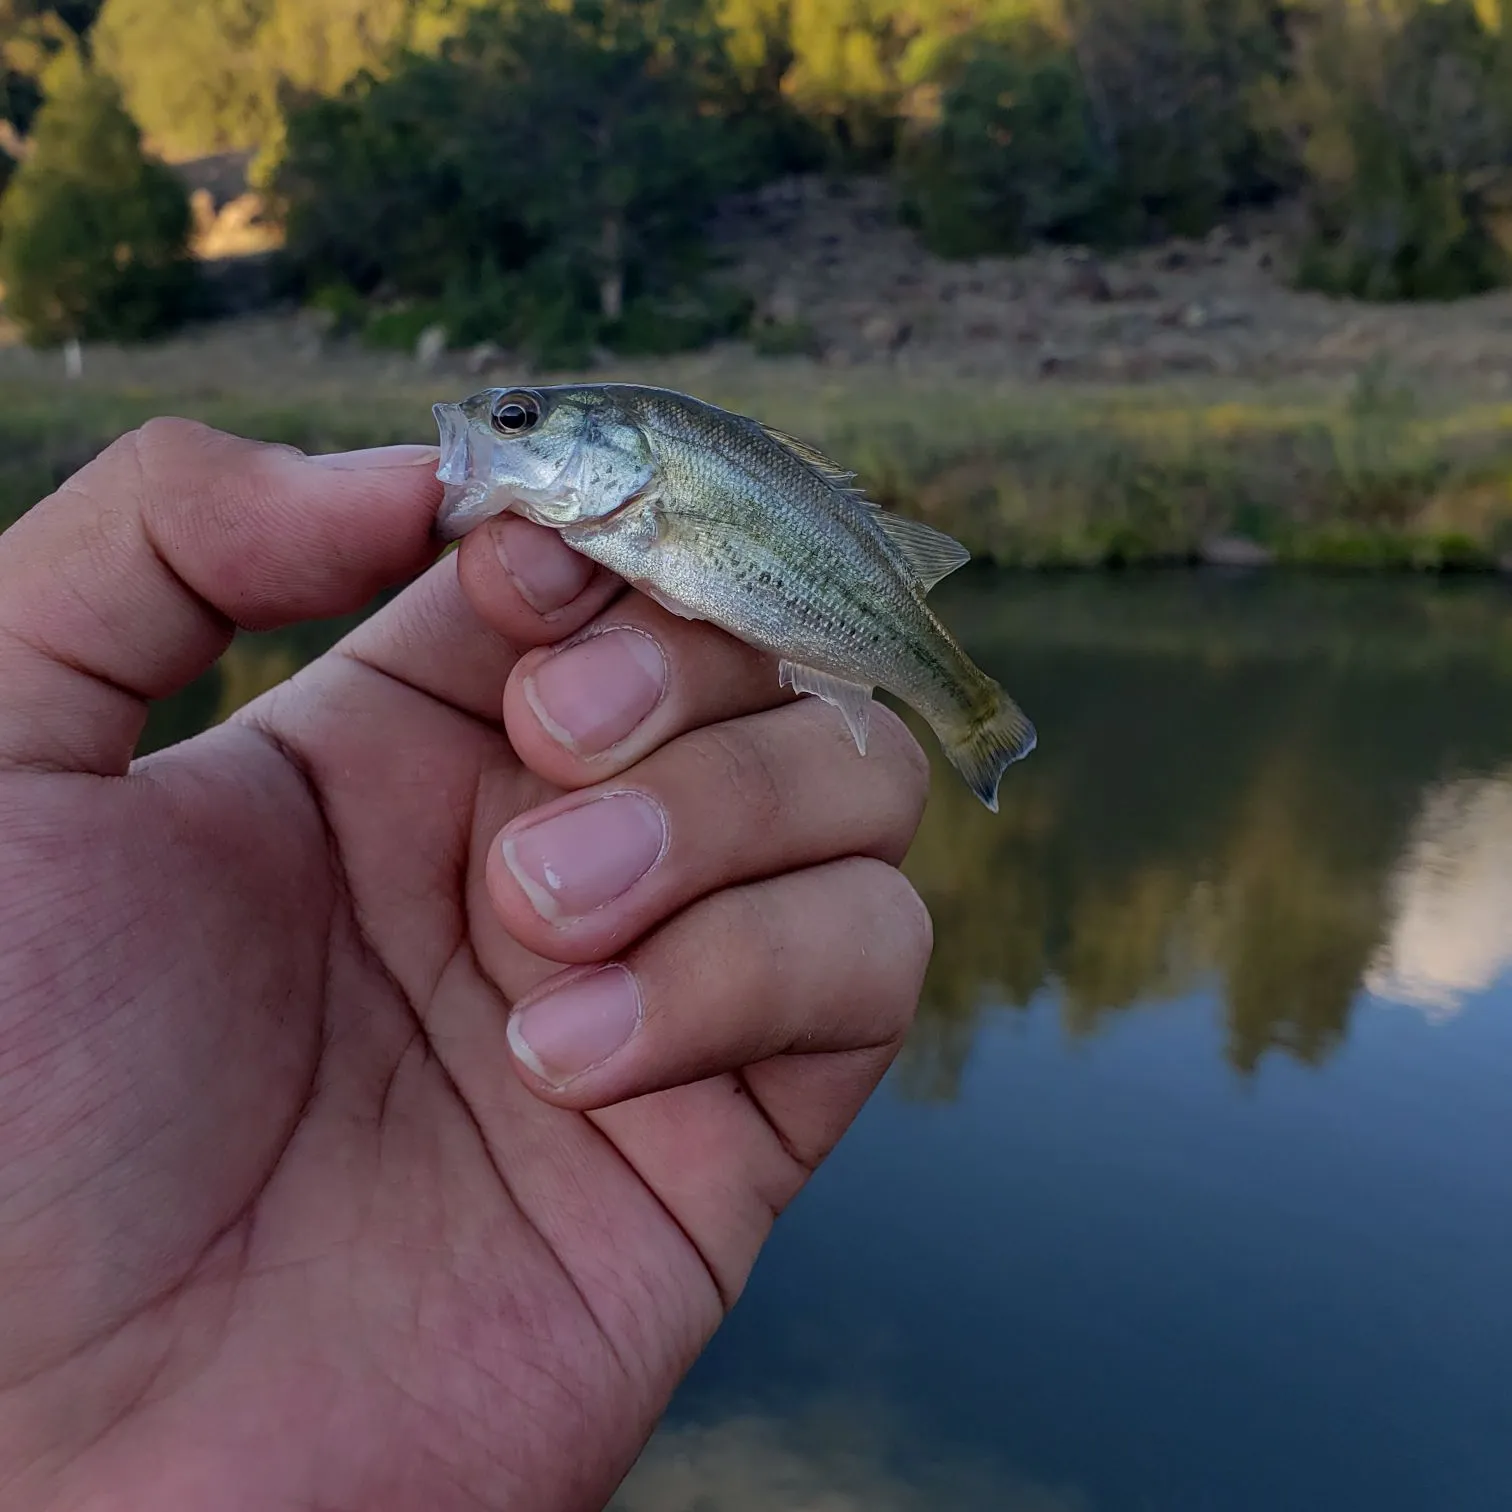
point(718, 517)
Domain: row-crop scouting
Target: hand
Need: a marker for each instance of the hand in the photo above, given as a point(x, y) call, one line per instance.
point(322, 1183)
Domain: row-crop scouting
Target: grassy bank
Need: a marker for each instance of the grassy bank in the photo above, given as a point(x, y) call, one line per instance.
point(1364, 477)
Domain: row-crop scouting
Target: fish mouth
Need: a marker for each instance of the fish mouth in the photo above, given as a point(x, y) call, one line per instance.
point(451, 422)
point(465, 501)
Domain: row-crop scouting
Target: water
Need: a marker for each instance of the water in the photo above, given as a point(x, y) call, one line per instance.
point(1193, 1187)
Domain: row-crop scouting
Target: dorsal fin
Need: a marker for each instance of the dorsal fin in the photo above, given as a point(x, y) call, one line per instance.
point(829, 470)
point(931, 553)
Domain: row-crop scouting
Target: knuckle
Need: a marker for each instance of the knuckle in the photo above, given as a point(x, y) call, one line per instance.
point(743, 769)
point(906, 761)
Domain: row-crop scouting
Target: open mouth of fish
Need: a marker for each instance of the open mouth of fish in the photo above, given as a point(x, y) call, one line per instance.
point(466, 500)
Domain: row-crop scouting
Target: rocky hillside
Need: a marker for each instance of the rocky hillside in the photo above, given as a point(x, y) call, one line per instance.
point(836, 273)
point(841, 284)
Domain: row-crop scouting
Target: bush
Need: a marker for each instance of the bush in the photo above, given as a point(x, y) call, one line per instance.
point(93, 234)
point(1404, 120)
point(1012, 158)
point(1128, 119)
point(1173, 87)
point(543, 180)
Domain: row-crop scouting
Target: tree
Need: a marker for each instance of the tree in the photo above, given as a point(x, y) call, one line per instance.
point(1012, 157)
point(32, 32)
point(1401, 117)
point(191, 71)
point(93, 234)
point(577, 145)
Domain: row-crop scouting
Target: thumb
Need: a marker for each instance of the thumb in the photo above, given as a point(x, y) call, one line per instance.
point(131, 579)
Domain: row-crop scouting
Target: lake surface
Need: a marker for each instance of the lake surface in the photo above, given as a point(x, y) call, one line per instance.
point(1193, 1187)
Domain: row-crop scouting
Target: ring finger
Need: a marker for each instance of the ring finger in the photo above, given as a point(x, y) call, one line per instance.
point(580, 877)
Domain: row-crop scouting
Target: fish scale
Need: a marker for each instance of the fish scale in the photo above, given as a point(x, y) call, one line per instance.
point(721, 518)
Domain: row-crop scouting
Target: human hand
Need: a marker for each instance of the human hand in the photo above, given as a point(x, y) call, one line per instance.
point(322, 1183)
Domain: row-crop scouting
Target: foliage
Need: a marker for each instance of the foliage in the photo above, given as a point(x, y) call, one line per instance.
point(206, 76)
point(93, 233)
point(1404, 118)
point(32, 32)
point(190, 70)
point(1013, 156)
point(1171, 86)
point(1117, 121)
point(542, 170)
point(544, 177)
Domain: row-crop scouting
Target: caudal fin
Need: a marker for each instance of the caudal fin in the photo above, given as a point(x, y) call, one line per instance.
point(989, 745)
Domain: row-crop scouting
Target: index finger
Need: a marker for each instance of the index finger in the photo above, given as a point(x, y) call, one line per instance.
point(131, 579)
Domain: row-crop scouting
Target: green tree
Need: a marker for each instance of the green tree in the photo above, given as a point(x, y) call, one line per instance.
point(1403, 117)
point(578, 145)
point(93, 233)
point(32, 33)
point(1101, 121)
point(1012, 156)
point(192, 71)
point(216, 75)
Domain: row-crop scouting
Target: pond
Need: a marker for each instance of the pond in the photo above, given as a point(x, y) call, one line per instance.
point(1193, 1187)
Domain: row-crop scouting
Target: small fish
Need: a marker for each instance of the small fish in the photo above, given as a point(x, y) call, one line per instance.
point(718, 517)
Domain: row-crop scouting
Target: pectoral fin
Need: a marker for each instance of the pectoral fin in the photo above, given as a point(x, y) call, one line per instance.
point(931, 553)
point(853, 700)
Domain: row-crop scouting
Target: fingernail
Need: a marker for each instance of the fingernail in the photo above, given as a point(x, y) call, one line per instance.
point(583, 859)
point(378, 456)
point(546, 571)
point(593, 694)
point(578, 1027)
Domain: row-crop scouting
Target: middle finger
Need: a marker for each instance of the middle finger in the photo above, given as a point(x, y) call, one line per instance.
point(577, 879)
point(629, 682)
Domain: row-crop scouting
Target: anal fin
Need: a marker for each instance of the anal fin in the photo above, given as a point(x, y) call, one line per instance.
point(854, 700)
point(670, 605)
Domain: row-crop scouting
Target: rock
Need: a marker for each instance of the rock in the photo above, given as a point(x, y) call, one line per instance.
point(430, 346)
point(783, 307)
point(1234, 551)
point(889, 332)
point(485, 355)
point(1087, 281)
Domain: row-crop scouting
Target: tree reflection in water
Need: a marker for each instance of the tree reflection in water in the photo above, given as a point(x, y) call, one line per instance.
point(1283, 792)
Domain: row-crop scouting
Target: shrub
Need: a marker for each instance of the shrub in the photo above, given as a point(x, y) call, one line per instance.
point(1403, 116)
point(93, 234)
point(546, 175)
point(1012, 157)
point(1115, 122)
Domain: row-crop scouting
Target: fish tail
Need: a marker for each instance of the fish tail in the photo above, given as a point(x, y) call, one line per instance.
point(983, 746)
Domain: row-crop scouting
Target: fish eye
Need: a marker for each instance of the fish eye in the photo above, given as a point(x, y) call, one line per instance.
point(515, 413)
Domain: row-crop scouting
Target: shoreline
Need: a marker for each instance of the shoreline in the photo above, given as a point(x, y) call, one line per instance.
point(1239, 476)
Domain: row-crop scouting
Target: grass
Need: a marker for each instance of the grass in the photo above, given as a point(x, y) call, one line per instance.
point(1050, 476)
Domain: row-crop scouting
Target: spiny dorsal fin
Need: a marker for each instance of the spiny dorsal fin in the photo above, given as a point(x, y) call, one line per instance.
point(829, 470)
point(931, 553)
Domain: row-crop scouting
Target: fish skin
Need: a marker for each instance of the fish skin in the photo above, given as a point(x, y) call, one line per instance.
point(720, 518)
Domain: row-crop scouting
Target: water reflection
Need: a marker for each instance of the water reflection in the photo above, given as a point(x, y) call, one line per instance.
point(832, 1458)
point(1451, 938)
point(1270, 817)
point(1286, 793)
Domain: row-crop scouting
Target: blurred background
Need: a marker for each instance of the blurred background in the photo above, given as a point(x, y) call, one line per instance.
point(1191, 318)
